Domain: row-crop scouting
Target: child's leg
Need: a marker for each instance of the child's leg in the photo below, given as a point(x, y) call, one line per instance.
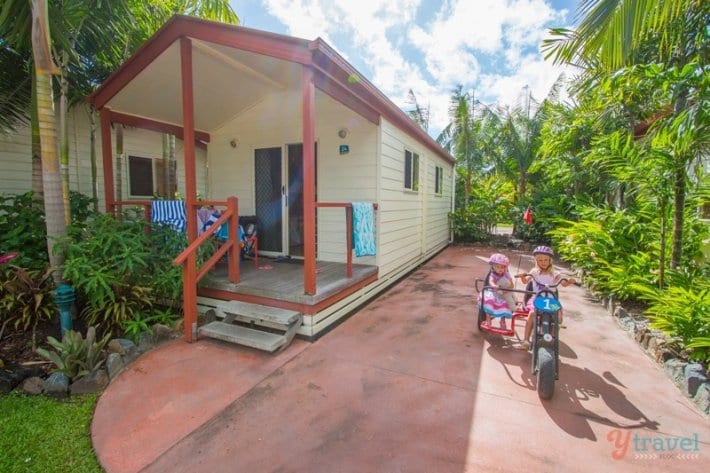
point(529, 325)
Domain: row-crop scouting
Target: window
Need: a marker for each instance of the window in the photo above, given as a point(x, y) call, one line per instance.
point(411, 170)
point(439, 180)
point(140, 176)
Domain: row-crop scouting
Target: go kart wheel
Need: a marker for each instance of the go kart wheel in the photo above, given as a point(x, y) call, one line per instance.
point(545, 373)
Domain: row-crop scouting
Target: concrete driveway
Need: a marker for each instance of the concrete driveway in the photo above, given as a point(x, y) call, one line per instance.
point(405, 384)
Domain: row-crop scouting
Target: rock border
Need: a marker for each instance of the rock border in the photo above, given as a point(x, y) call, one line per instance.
point(692, 379)
point(120, 353)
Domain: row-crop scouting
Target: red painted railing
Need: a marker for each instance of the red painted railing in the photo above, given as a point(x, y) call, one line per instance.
point(348, 229)
point(190, 278)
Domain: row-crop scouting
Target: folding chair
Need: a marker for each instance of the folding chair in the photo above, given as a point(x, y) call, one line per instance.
point(169, 212)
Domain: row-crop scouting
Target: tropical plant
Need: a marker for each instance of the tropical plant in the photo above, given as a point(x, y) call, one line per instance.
point(141, 323)
point(682, 312)
point(613, 34)
point(25, 299)
point(418, 113)
point(75, 356)
point(462, 137)
point(23, 230)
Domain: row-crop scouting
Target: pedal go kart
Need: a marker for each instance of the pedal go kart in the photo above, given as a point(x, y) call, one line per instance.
point(545, 344)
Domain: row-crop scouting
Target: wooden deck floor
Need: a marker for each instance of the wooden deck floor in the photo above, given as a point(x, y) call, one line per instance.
point(283, 281)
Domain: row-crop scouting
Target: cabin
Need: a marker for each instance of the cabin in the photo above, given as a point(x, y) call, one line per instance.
point(285, 132)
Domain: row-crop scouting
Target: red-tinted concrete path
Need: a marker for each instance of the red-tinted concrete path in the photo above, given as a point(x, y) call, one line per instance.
point(406, 384)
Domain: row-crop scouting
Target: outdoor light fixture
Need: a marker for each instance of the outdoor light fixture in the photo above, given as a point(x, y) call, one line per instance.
point(234, 143)
point(343, 132)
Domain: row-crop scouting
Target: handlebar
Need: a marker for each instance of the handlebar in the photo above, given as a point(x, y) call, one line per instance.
point(505, 289)
point(479, 287)
point(543, 285)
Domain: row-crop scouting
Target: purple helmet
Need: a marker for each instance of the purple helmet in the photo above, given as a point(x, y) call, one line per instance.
point(497, 258)
point(543, 250)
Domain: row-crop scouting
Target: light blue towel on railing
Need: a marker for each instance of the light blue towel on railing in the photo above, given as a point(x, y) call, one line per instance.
point(363, 229)
point(169, 212)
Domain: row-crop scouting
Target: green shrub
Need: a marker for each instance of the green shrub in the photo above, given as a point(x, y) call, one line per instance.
point(684, 313)
point(23, 230)
point(75, 356)
point(26, 298)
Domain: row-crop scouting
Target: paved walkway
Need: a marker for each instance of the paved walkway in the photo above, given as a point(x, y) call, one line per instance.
point(406, 384)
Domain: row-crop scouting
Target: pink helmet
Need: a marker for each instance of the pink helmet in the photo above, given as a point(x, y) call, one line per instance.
point(497, 258)
point(543, 250)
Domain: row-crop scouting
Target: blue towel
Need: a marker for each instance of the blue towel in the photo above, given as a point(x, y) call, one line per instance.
point(363, 229)
point(169, 212)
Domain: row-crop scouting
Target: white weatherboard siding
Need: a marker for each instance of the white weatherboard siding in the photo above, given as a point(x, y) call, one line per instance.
point(401, 211)
point(15, 156)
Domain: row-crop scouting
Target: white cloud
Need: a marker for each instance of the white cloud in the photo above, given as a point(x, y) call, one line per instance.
point(489, 46)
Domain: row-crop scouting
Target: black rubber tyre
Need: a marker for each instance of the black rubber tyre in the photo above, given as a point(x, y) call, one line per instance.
point(545, 373)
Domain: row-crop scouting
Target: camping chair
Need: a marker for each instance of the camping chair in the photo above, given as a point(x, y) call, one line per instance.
point(248, 242)
point(169, 212)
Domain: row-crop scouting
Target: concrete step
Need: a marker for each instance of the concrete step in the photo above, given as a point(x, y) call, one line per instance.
point(247, 312)
point(243, 336)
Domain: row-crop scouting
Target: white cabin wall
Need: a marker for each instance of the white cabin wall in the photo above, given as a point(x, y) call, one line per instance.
point(16, 162)
point(413, 224)
point(437, 229)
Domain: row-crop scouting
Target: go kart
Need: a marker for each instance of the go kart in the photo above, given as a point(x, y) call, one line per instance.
point(545, 344)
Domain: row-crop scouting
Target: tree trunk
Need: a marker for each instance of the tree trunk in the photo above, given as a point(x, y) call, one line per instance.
point(679, 208)
point(36, 150)
point(94, 171)
point(663, 210)
point(51, 179)
point(64, 139)
point(522, 187)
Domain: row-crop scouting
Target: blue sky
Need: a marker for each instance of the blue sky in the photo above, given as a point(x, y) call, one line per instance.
point(490, 47)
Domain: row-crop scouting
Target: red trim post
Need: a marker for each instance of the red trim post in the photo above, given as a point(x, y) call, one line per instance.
point(188, 119)
point(107, 155)
point(234, 251)
point(349, 238)
point(309, 183)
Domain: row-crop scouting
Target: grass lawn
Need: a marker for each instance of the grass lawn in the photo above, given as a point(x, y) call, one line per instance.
point(40, 434)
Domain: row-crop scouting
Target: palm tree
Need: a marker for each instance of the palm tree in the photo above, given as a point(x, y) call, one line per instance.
point(616, 33)
point(419, 114)
point(459, 137)
point(521, 128)
point(44, 67)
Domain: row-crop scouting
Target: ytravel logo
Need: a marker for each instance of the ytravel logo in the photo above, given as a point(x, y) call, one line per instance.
point(653, 447)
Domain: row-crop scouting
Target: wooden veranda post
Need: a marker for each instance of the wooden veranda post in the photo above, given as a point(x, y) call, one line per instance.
point(309, 182)
point(188, 118)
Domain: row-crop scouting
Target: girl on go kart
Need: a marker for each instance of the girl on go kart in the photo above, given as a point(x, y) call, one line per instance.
point(499, 304)
point(544, 273)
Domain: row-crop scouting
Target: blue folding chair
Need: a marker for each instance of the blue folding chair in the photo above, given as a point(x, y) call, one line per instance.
point(169, 212)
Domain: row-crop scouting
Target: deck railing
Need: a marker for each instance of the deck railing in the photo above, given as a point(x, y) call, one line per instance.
point(348, 230)
point(191, 274)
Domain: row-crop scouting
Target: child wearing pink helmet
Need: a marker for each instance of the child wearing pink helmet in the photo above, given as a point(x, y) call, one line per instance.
point(499, 304)
point(545, 273)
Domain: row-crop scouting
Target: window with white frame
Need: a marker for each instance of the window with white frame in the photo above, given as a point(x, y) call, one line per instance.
point(140, 176)
point(411, 170)
point(438, 180)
